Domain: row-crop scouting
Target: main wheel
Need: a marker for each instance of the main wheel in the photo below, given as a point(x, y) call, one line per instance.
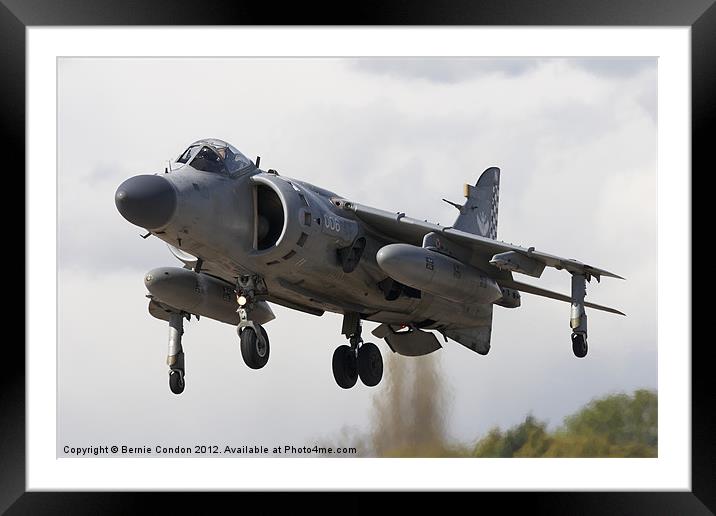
point(370, 364)
point(345, 369)
point(579, 345)
point(176, 382)
point(254, 352)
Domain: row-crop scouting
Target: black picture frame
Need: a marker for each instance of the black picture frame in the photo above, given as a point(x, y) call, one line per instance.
point(700, 15)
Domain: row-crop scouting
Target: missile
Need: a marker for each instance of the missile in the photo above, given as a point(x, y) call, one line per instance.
point(200, 294)
point(437, 274)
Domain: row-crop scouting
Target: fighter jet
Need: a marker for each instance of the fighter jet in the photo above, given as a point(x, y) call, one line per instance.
point(248, 237)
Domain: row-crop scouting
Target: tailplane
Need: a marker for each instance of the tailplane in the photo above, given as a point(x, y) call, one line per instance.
point(479, 213)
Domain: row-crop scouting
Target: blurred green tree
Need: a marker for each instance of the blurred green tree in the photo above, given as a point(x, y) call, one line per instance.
point(618, 425)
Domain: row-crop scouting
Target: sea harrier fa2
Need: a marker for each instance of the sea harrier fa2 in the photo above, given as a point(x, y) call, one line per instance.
point(249, 237)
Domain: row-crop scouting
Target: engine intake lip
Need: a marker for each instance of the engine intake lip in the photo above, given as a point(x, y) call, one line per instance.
point(267, 192)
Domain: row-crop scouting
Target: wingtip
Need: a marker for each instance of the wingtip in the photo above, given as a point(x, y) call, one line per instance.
point(611, 275)
point(597, 273)
point(613, 311)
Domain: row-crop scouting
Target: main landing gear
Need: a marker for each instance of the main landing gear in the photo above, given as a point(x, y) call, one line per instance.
point(254, 339)
point(359, 359)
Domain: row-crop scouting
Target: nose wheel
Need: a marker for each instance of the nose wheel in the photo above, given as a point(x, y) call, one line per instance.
point(254, 346)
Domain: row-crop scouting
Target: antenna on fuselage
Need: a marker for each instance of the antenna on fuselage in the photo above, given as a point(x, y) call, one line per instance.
point(258, 161)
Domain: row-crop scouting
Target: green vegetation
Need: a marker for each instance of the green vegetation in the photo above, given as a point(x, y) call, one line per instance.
point(614, 426)
point(409, 419)
point(618, 425)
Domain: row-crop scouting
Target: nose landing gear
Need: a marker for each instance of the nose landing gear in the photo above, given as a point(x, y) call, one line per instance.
point(359, 360)
point(254, 339)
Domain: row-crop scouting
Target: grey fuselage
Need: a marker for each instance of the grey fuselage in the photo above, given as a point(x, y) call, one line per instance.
point(290, 232)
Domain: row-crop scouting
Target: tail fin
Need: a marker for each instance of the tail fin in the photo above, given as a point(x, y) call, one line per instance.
point(479, 213)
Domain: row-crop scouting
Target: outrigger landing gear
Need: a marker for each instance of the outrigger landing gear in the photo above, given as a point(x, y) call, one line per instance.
point(357, 360)
point(175, 355)
point(578, 317)
point(254, 339)
point(579, 345)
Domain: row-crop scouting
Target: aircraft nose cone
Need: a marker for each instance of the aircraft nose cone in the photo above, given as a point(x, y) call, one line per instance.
point(146, 201)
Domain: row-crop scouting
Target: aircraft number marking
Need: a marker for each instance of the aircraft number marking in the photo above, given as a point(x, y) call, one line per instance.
point(332, 223)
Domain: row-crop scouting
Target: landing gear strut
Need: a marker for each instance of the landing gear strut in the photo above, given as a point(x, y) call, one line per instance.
point(254, 339)
point(175, 355)
point(357, 360)
point(578, 317)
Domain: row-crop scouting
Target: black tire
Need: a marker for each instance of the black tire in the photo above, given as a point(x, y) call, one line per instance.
point(255, 354)
point(579, 345)
point(176, 382)
point(370, 364)
point(345, 369)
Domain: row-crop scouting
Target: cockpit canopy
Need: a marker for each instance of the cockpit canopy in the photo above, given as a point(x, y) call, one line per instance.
point(212, 155)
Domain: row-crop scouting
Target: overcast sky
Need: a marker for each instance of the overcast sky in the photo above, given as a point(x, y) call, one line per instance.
point(575, 140)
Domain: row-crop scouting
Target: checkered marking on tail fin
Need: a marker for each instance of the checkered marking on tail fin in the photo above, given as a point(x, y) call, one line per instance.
point(479, 213)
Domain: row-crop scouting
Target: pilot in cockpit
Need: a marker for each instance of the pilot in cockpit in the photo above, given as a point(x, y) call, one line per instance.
point(208, 160)
point(214, 156)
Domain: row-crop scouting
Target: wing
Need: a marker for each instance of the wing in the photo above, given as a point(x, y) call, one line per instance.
point(531, 289)
point(399, 228)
